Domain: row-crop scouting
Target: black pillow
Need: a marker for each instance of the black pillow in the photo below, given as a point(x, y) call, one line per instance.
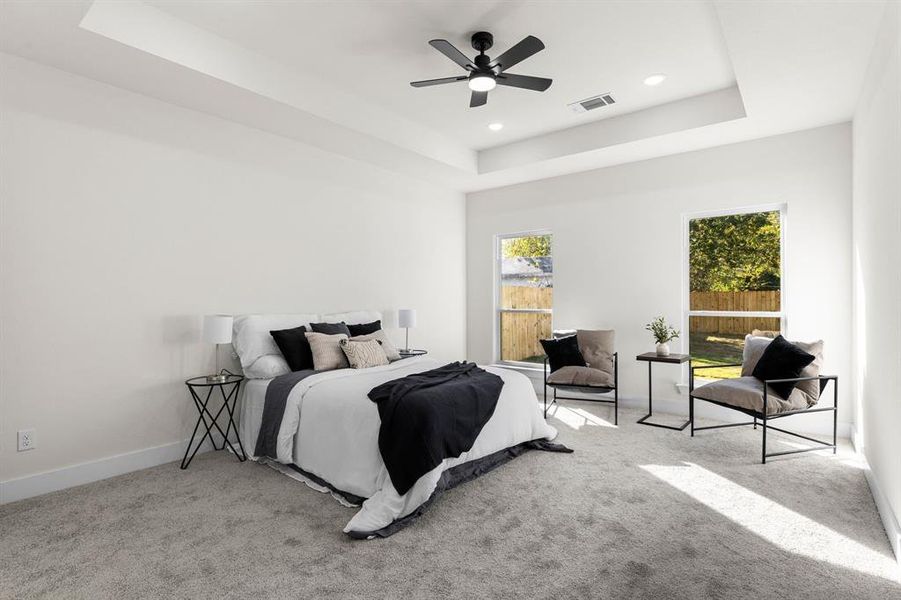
point(365, 328)
point(330, 328)
point(782, 360)
point(563, 352)
point(295, 347)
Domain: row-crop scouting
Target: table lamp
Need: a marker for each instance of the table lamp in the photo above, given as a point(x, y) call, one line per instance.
point(217, 329)
point(406, 318)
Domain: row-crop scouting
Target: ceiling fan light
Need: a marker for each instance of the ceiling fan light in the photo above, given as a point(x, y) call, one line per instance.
point(482, 83)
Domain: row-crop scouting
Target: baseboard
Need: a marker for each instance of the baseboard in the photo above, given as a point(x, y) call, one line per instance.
point(888, 516)
point(889, 520)
point(88, 472)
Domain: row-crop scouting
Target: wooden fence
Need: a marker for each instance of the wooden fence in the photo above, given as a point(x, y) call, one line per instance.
point(737, 301)
point(520, 296)
point(520, 332)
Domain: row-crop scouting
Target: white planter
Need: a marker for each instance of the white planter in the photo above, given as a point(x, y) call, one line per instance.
point(662, 349)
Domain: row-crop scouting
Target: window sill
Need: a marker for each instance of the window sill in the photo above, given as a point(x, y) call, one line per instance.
point(524, 368)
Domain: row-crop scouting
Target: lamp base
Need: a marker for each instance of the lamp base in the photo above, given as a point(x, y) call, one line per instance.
point(216, 378)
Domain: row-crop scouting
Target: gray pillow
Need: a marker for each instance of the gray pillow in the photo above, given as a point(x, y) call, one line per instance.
point(754, 347)
point(330, 328)
point(327, 352)
point(597, 347)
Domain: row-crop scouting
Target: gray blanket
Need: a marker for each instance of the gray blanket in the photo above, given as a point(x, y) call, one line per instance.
point(274, 410)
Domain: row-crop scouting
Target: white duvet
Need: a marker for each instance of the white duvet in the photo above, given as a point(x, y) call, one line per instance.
point(331, 428)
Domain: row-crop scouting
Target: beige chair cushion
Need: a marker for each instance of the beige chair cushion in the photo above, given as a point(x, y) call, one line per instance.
point(597, 347)
point(747, 392)
point(754, 347)
point(582, 376)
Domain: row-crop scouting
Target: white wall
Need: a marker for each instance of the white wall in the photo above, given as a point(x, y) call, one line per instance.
point(877, 274)
point(618, 245)
point(123, 219)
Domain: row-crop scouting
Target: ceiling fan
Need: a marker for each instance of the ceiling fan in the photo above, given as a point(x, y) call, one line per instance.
point(484, 73)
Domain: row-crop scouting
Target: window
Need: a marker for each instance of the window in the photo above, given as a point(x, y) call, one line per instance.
point(734, 284)
point(525, 294)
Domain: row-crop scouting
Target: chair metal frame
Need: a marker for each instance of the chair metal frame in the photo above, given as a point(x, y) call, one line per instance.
point(585, 389)
point(763, 419)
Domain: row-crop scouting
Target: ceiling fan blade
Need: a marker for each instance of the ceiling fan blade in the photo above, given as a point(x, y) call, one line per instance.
point(478, 99)
point(538, 84)
point(450, 51)
point(429, 82)
point(518, 53)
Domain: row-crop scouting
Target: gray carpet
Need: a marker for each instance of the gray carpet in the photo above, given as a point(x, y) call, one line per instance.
point(636, 512)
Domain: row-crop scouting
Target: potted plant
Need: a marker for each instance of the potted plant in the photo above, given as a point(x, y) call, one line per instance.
point(663, 334)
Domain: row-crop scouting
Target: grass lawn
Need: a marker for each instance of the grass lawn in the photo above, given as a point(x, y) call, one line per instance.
point(716, 349)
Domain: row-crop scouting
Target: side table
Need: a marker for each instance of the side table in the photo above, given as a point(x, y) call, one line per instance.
point(229, 399)
point(673, 359)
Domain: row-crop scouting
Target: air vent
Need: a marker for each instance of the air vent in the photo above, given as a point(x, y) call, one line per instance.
point(592, 103)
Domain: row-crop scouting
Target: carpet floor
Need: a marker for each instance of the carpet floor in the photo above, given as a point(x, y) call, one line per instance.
point(635, 512)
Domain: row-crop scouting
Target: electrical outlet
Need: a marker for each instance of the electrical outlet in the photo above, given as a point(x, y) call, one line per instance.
point(27, 440)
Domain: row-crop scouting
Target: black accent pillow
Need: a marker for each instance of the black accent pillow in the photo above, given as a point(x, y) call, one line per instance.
point(563, 352)
point(330, 328)
point(365, 328)
point(782, 360)
point(295, 347)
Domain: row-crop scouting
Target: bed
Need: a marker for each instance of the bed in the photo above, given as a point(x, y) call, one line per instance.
point(329, 429)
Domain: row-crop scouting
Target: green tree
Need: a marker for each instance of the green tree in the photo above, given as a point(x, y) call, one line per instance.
point(531, 246)
point(735, 253)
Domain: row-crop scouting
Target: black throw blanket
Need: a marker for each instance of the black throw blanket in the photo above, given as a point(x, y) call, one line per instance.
point(430, 416)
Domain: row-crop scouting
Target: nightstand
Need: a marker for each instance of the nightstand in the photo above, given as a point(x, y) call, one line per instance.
point(411, 352)
point(197, 386)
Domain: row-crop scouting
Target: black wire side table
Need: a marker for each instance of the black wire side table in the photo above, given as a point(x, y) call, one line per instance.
point(196, 386)
point(651, 358)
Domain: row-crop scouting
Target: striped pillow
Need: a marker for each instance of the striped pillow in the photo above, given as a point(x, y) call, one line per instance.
point(364, 354)
point(389, 348)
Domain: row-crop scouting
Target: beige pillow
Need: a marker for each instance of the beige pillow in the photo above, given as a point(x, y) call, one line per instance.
point(380, 335)
point(597, 348)
point(754, 347)
point(364, 354)
point(327, 352)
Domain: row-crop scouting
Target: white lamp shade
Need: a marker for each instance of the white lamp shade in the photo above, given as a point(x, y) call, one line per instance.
point(217, 329)
point(406, 317)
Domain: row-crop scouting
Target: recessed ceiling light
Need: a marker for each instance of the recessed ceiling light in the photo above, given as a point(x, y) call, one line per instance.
point(655, 79)
point(495, 126)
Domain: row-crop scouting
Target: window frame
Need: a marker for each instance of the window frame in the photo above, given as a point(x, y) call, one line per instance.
point(687, 312)
point(498, 309)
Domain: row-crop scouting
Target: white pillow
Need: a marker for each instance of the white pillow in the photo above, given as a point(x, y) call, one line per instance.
point(252, 342)
point(267, 367)
point(354, 317)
